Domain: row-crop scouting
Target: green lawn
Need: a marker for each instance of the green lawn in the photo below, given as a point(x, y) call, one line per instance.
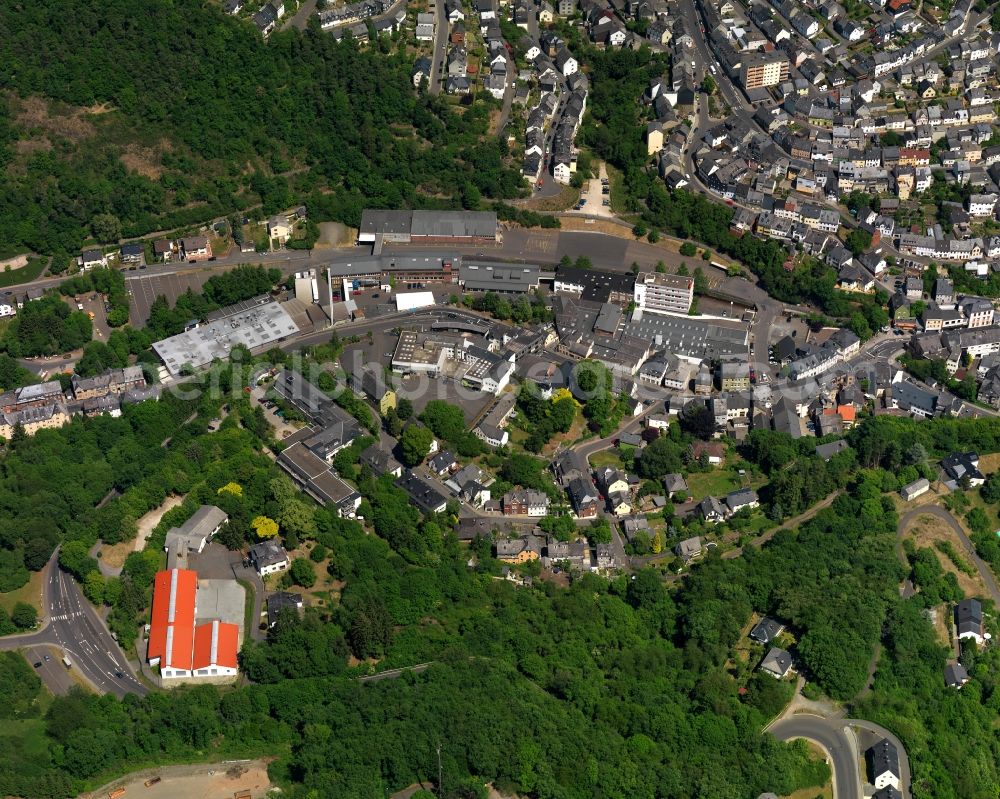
point(249, 622)
point(30, 592)
point(716, 483)
point(25, 274)
point(606, 457)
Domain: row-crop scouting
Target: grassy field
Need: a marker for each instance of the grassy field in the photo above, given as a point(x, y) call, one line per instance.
point(925, 531)
point(25, 274)
point(30, 592)
point(606, 457)
point(249, 622)
point(616, 180)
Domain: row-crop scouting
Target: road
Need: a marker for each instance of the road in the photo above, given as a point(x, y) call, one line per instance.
point(441, 30)
point(833, 738)
point(300, 18)
point(73, 626)
point(985, 572)
point(508, 92)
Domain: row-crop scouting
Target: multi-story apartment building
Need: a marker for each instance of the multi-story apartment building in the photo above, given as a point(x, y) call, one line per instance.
point(658, 291)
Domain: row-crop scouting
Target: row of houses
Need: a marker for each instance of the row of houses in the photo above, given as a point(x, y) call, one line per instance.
point(189, 248)
point(44, 406)
point(550, 552)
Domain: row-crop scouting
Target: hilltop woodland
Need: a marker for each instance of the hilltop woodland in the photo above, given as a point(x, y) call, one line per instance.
point(92, 151)
point(598, 689)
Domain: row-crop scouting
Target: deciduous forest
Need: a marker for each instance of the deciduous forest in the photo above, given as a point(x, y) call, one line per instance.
point(222, 122)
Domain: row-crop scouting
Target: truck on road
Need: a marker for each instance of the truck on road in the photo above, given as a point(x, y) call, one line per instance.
point(67, 662)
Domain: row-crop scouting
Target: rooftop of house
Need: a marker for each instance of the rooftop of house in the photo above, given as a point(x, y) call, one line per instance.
point(766, 630)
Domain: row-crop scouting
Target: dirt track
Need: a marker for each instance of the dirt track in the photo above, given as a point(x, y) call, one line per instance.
point(204, 781)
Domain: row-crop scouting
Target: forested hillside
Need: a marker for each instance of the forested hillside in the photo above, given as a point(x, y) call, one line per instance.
point(129, 116)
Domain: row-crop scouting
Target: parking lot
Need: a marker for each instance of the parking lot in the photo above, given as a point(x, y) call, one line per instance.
point(92, 303)
point(595, 197)
point(144, 289)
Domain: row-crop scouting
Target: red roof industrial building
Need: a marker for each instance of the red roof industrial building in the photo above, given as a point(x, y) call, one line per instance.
point(176, 644)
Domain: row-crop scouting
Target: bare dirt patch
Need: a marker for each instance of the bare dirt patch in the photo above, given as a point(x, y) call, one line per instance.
point(938, 619)
point(148, 521)
point(144, 161)
point(14, 263)
point(927, 529)
point(335, 234)
point(113, 555)
point(99, 108)
point(563, 201)
point(35, 113)
point(34, 145)
point(207, 781)
point(989, 463)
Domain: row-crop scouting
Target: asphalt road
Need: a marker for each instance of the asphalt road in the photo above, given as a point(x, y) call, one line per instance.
point(832, 737)
point(441, 31)
point(73, 626)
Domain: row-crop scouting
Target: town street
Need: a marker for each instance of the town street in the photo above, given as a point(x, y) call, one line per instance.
point(72, 625)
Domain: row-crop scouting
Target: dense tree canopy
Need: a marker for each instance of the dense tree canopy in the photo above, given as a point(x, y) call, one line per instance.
point(224, 123)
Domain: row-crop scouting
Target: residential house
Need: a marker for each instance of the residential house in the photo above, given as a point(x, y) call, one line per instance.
point(268, 557)
point(131, 253)
point(380, 461)
point(955, 675)
point(712, 511)
point(766, 630)
point(744, 498)
point(962, 466)
point(777, 662)
point(519, 550)
point(883, 764)
point(689, 549)
point(442, 463)
point(674, 483)
point(280, 602)
point(196, 248)
point(525, 502)
point(969, 620)
point(90, 259)
point(583, 498)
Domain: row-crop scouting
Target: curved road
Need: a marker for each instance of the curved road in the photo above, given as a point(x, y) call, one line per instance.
point(836, 742)
point(985, 572)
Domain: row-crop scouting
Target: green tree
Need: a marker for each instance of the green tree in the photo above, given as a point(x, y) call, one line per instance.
point(415, 444)
point(302, 573)
point(24, 616)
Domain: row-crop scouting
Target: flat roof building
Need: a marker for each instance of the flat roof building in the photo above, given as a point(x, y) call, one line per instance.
point(658, 291)
point(690, 337)
point(428, 226)
point(760, 70)
point(500, 278)
point(255, 324)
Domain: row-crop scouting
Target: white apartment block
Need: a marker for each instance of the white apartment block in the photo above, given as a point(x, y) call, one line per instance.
point(658, 291)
